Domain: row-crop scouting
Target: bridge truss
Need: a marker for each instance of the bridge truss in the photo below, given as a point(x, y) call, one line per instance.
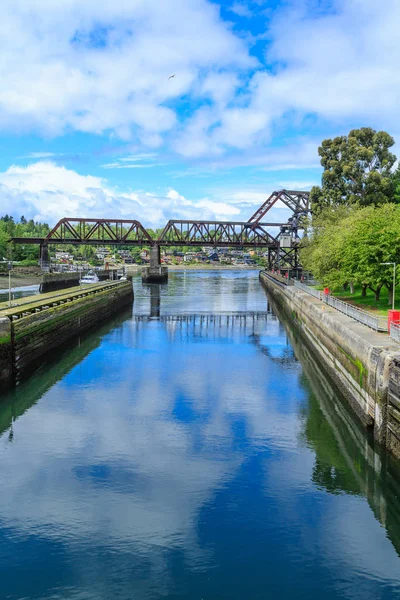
point(94, 232)
point(253, 233)
point(216, 233)
point(298, 202)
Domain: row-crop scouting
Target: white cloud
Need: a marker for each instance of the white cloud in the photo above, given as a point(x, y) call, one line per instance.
point(119, 165)
point(37, 155)
point(240, 9)
point(340, 67)
point(138, 157)
point(104, 67)
point(47, 192)
point(134, 161)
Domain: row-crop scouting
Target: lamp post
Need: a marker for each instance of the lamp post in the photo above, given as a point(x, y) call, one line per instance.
point(394, 279)
point(9, 283)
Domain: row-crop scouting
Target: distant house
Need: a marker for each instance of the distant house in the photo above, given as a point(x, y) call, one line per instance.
point(190, 256)
point(102, 253)
point(124, 253)
point(213, 257)
point(59, 255)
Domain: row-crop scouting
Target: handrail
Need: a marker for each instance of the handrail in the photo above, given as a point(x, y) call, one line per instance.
point(308, 289)
point(394, 331)
point(362, 316)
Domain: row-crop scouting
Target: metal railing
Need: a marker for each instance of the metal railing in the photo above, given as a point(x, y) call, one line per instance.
point(395, 331)
point(364, 317)
point(308, 289)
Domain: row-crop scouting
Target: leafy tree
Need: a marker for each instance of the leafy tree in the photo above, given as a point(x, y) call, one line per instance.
point(396, 185)
point(10, 228)
point(350, 245)
point(357, 170)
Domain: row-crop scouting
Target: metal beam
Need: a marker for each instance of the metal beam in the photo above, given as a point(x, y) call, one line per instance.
point(298, 202)
point(216, 233)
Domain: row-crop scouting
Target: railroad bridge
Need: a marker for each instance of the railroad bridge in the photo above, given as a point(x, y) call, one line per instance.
point(255, 233)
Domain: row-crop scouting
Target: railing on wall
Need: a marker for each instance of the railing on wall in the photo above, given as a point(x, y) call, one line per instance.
point(308, 289)
point(377, 323)
point(362, 316)
point(395, 331)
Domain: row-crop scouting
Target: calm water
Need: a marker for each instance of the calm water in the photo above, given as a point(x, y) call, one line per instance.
point(19, 292)
point(192, 450)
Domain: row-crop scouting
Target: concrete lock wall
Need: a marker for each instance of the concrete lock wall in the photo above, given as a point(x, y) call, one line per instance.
point(362, 365)
point(6, 365)
point(58, 281)
point(29, 337)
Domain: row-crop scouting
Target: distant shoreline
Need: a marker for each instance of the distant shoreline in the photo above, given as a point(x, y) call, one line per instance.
point(22, 280)
point(198, 267)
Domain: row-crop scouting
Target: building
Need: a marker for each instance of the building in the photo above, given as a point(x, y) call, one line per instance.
point(61, 255)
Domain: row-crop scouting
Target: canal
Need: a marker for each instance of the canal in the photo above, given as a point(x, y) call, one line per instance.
point(192, 449)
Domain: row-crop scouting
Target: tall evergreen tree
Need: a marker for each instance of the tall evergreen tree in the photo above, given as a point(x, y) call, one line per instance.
point(357, 170)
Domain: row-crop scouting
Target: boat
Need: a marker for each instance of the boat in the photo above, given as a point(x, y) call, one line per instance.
point(90, 277)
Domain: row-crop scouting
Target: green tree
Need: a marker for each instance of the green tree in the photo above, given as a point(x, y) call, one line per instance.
point(357, 170)
point(349, 245)
point(396, 185)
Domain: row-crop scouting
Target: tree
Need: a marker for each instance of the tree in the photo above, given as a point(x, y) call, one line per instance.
point(396, 185)
point(350, 245)
point(357, 170)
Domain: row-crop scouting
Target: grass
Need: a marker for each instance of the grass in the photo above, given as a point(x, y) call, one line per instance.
point(368, 302)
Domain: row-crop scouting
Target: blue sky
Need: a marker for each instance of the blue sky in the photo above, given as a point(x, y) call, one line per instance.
point(91, 124)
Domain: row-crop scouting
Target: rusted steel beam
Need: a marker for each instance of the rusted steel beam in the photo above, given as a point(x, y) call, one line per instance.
point(96, 231)
point(298, 202)
point(215, 233)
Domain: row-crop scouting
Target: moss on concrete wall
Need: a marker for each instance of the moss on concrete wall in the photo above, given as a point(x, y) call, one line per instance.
point(359, 368)
point(29, 337)
point(5, 352)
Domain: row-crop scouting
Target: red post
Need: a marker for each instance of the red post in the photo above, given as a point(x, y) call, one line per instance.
point(393, 317)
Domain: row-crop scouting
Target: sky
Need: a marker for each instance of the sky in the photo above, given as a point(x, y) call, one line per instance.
point(92, 124)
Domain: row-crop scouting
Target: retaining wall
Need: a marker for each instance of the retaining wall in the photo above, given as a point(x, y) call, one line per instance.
point(5, 351)
point(58, 281)
point(35, 334)
point(360, 361)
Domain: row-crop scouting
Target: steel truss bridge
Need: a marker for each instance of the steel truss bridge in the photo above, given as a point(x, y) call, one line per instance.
point(254, 233)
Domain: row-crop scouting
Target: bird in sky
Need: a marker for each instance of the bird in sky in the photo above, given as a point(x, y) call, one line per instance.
point(171, 76)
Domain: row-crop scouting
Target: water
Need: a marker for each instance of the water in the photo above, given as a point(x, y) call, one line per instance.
point(192, 450)
point(19, 292)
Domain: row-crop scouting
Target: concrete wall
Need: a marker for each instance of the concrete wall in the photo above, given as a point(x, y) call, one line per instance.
point(58, 281)
point(36, 334)
point(358, 359)
point(5, 351)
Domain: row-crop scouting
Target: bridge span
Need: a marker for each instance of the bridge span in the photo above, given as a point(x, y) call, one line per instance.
point(282, 247)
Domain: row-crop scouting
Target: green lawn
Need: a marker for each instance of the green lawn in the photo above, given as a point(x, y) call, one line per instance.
point(369, 303)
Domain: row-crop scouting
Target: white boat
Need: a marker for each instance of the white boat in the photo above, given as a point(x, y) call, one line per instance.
point(90, 277)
